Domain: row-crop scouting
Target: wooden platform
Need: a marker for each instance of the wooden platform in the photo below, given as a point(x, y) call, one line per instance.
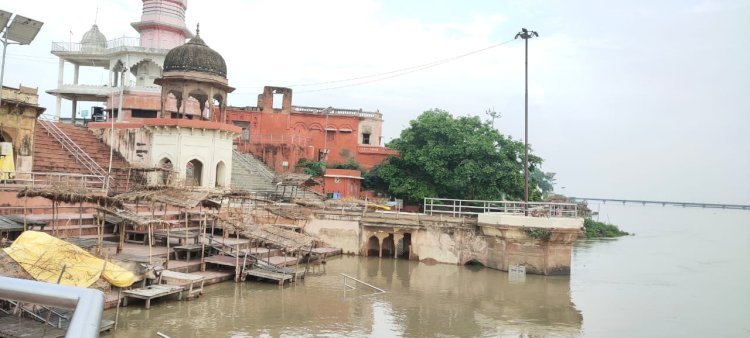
point(328, 252)
point(192, 283)
point(282, 261)
point(150, 292)
point(281, 278)
point(17, 327)
point(222, 260)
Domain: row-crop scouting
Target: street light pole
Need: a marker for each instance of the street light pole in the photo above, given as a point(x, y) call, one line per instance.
point(21, 31)
point(526, 35)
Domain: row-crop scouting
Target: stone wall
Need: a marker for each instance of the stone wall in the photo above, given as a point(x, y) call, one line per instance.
point(447, 240)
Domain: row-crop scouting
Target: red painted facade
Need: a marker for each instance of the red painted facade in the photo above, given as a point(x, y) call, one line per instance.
point(342, 183)
point(282, 136)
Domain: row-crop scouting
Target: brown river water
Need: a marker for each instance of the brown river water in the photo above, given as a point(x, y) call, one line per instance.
point(685, 273)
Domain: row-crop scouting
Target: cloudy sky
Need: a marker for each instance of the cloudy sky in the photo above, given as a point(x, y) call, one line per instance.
point(627, 99)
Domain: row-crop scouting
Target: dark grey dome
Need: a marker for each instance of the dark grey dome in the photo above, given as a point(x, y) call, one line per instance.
point(93, 39)
point(195, 56)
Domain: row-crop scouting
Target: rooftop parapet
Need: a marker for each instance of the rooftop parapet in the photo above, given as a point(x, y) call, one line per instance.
point(338, 111)
point(113, 46)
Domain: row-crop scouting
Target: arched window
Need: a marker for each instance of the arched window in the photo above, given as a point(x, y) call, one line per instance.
point(194, 173)
point(220, 174)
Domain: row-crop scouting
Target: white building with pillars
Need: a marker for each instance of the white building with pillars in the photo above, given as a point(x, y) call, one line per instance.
point(132, 63)
point(197, 147)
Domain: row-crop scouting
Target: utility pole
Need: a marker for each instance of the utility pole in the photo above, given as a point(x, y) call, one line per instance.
point(494, 115)
point(526, 35)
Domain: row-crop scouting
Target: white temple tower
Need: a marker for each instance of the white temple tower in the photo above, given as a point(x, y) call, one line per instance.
point(162, 24)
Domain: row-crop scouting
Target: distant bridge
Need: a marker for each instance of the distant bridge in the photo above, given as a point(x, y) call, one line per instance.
point(663, 203)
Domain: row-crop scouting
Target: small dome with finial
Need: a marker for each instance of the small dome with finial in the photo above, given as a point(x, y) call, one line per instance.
point(93, 40)
point(195, 56)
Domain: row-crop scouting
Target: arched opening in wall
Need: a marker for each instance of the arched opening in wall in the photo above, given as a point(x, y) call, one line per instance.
point(403, 247)
point(217, 102)
point(166, 165)
point(220, 174)
point(473, 263)
point(373, 246)
point(388, 246)
point(194, 173)
point(5, 137)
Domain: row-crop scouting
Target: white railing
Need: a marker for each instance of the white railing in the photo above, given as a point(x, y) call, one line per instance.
point(42, 180)
point(458, 208)
point(352, 287)
point(338, 111)
point(87, 304)
point(76, 47)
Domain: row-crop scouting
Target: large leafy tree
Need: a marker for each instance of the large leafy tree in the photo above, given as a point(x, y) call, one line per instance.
point(463, 158)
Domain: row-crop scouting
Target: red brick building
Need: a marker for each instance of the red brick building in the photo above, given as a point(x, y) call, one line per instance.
point(281, 134)
point(341, 183)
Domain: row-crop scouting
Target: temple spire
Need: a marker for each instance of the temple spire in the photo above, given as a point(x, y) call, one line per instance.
point(198, 29)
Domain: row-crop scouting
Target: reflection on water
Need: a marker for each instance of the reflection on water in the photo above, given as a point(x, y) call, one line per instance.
point(684, 274)
point(422, 300)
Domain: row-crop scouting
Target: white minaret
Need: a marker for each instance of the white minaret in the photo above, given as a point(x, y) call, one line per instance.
point(162, 24)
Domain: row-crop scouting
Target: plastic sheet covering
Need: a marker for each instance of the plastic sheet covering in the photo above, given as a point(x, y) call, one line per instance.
point(44, 256)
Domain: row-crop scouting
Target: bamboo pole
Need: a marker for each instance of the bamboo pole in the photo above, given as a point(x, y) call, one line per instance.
point(203, 235)
point(237, 258)
point(25, 200)
point(150, 234)
point(117, 310)
point(80, 218)
point(187, 219)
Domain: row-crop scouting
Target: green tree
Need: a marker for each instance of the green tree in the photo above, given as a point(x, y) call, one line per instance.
point(312, 168)
point(464, 158)
point(350, 164)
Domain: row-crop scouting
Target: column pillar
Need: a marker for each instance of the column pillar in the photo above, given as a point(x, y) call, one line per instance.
point(60, 73)
point(75, 74)
point(396, 238)
point(74, 107)
point(380, 247)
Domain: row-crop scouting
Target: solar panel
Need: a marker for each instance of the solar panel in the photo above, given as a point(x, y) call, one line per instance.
point(23, 30)
point(4, 18)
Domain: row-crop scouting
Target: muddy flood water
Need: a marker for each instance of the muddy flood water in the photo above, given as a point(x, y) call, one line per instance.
point(684, 273)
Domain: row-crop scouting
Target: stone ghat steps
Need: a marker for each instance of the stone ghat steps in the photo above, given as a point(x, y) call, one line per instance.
point(50, 156)
point(251, 174)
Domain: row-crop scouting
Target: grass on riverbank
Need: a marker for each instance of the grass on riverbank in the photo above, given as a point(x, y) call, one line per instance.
point(595, 229)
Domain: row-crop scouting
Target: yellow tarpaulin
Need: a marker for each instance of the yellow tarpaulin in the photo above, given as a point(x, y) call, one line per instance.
point(7, 166)
point(44, 256)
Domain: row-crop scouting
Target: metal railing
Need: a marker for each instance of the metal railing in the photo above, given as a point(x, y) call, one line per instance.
point(81, 156)
point(338, 111)
point(376, 150)
point(76, 47)
point(87, 304)
point(347, 286)
point(41, 180)
point(458, 208)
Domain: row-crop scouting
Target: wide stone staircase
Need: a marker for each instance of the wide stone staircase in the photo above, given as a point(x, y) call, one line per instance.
point(65, 148)
point(249, 173)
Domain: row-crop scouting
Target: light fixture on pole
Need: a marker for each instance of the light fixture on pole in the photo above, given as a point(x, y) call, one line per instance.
point(526, 35)
point(21, 31)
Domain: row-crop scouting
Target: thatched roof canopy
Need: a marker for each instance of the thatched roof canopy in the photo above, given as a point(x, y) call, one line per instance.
point(271, 234)
point(132, 217)
point(296, 180)
point(67, 194)
point(179, 197)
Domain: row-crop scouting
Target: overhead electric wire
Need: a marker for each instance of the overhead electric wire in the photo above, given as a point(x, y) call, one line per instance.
point(396, 73)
